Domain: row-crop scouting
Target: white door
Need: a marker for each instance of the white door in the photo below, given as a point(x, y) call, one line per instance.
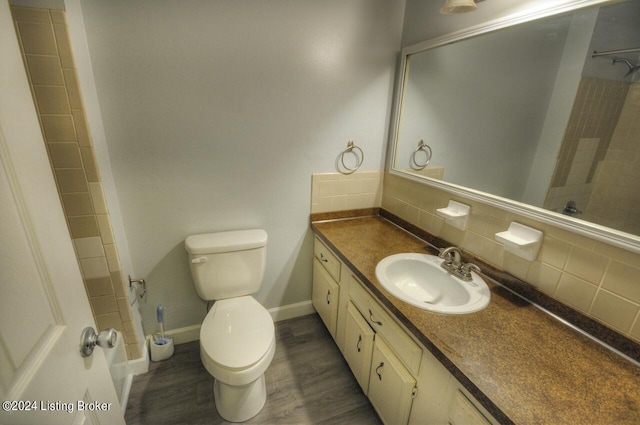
point(43, 306)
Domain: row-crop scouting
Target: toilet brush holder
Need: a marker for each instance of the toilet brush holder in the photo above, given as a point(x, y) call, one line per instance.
point(161, 348)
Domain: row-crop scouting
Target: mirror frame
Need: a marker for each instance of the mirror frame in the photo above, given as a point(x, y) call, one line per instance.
point(601, 233)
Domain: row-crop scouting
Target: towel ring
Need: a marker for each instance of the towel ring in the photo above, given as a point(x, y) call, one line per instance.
point(422, 146)
point(351, 147)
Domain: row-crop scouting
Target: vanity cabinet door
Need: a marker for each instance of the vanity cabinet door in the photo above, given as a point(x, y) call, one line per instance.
point(463, 412)
point(358, 346)
point(382, 323)
point(325, 296)
point(391, 386)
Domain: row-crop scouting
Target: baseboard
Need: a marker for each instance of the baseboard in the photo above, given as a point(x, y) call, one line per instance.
point(192, 333)
point(291, 311)
point(183, 335)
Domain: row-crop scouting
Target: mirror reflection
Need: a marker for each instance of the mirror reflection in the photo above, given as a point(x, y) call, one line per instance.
point(531, 114)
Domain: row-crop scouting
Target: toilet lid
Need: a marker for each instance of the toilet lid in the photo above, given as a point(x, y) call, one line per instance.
point(237, 332)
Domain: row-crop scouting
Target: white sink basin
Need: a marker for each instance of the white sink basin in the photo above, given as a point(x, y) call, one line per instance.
point(419, 280)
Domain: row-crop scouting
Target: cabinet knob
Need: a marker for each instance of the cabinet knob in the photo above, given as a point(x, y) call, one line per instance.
point(324, 260)
point(329, 296)
point(359, 342)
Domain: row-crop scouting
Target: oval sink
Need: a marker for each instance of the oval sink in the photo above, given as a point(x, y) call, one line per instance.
point(419, 280)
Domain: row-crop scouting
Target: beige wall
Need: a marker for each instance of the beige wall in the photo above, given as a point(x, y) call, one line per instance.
point(592, 277)
point(43, 39)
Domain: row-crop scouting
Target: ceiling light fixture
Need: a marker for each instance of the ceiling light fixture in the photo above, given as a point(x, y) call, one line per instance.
point(458, 6)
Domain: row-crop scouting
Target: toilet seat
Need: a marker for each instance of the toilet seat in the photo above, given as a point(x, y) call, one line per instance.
point(237, 340)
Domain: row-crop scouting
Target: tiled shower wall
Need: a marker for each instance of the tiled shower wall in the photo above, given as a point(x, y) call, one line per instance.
point(615, 201)
point(46, 50)
point(592, 123)
point(594, 278)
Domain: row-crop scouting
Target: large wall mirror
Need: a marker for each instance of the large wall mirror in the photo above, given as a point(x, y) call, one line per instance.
point(525, 115)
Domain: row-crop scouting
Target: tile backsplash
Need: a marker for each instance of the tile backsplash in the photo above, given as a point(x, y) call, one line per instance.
point(337, 192)
point(597, 279)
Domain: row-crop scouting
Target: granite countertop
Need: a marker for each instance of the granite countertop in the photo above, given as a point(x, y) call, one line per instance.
point(523, 365)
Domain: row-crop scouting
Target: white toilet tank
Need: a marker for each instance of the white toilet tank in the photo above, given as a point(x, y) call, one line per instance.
point(227, 264)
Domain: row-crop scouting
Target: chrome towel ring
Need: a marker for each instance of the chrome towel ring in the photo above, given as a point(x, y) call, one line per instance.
point(359, 155)
point(422, 146)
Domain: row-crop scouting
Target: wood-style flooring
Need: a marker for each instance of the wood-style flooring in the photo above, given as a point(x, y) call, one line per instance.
point(308, 382)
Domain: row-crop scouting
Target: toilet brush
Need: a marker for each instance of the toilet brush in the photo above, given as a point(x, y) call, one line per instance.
point(161, 347)
point(160, 315)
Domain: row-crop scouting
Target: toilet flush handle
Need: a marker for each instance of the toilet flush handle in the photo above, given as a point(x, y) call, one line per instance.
point(199, 260)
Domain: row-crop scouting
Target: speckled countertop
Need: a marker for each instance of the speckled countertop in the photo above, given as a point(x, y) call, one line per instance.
point(523, 365)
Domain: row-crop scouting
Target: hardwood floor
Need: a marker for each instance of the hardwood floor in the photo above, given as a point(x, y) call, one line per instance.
point(308, 382)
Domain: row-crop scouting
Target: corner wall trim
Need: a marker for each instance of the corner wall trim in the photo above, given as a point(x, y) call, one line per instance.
point(140, 365)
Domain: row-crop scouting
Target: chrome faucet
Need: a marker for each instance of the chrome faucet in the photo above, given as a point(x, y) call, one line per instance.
point(453, 263)
point(452, 256)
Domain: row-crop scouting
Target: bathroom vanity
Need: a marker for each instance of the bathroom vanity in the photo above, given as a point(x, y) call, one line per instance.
point(509, 363)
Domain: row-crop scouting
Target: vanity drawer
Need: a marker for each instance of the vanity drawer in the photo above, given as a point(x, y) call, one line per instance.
point(407, 350)
point(328, 260)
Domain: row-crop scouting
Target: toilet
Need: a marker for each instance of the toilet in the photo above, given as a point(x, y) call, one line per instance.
point(237, 338)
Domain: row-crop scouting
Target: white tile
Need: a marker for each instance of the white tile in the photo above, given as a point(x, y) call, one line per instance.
point(89, 247)
point(354, 187)
point(354, 202)
point(325, 188)
point(371, 185)
point(614, 310)
point(325, 204)
point(369, 200)
point(576, 292)
point(94, 267)
point(339, 203)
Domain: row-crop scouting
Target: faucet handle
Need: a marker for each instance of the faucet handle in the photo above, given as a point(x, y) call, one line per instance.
point(467, 268)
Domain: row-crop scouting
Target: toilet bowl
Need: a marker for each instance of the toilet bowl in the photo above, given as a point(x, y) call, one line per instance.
point(237, 336)
point(237, 344)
